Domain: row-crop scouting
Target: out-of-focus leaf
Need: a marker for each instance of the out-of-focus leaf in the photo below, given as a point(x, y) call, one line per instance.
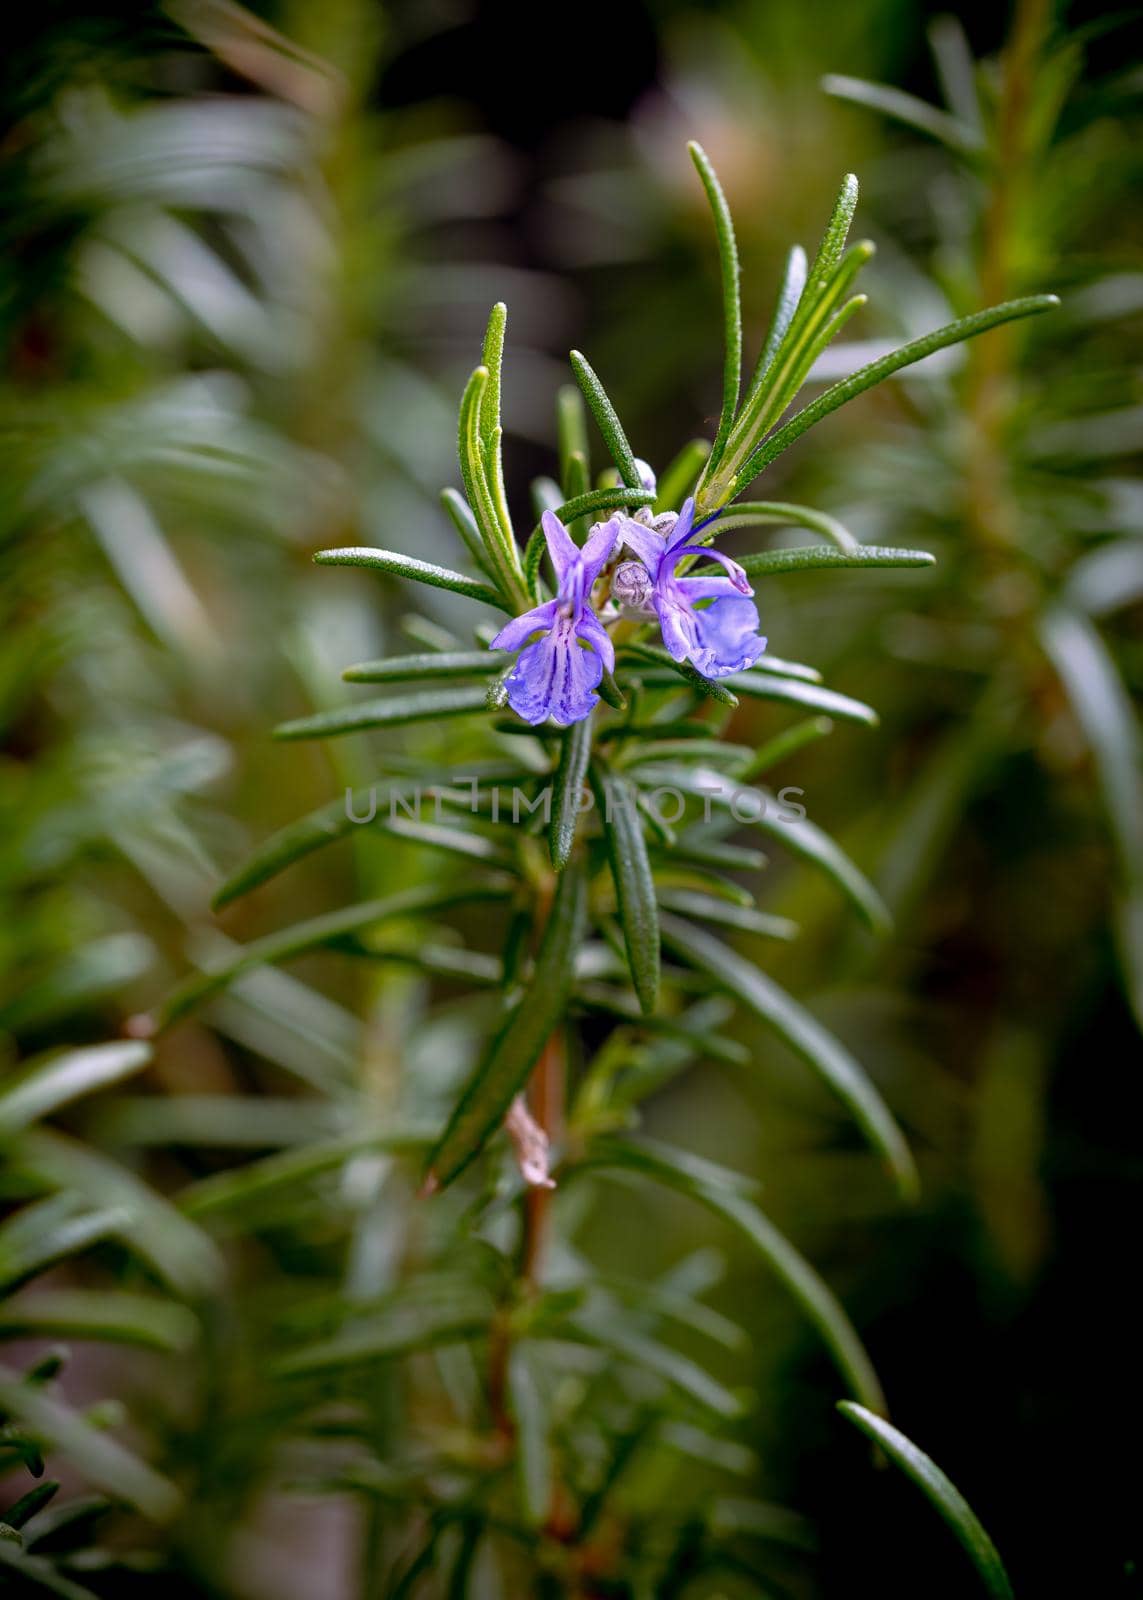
point(178, 1251)
point(760, 686)
point(679, 478)
point(651, 1356)
point(783, 745)
point(877, 371)
point(943, 1494)
point(711, 909)
point(243, 1186)
point(329, 928)
point(399, 1331)
point(114, 1316)
point(529, 1410)
point(47, 1083)
point(36, 1575)
point(909, 109)
point(517, 1045)
point(101, 1459)
point(1105, 713)
point(26, 1507)
point(38, 1235)
point(634, 882)
point(804, 1035)
point(749, 513)
point(722, 1195)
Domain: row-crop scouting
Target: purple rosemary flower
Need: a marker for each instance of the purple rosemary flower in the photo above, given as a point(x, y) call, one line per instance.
point(557, 675)
point(719, 638)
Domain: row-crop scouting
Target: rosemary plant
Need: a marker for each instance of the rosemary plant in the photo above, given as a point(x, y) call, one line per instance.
point(589, 810)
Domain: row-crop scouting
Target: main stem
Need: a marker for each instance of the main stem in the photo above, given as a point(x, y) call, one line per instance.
point(546, 1094)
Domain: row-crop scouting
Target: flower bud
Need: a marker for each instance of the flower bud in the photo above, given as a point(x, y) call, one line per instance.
point(631, 585)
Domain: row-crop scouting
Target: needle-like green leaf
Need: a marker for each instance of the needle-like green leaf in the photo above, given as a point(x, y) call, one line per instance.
point(427, 707)
point(329, 928)
point(606, 420)
point(804, 1035)
point(813, 558)
point(877, 371)
point(49, 1082)
point(403, 566)
point(721, 1192)
point(731, 298)
point(575, 750)
point(518, 1043)
point(943, 1494)
point(615, 799)
point(436, 664)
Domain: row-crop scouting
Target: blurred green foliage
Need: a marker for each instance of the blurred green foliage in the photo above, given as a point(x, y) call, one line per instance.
point(237, 297)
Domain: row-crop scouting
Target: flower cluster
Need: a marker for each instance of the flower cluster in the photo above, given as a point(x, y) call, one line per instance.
point(708, 619)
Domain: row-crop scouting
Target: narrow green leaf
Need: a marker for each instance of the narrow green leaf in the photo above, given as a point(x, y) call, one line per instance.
point(462, 519)
point(942, 1493)
point(789, 297)
point(615, 798)
point(600, 1000)
point(575, 749)
point(439, 664)
point(616, 499)
point(877, 371)
point(804, 1035)
point(812, 558)
point(109, 1316)
point(518, 1043)
point(909, 109)
point(50, 1230)
point(37, 1575)
point(571, 432)
point(181, 1254)
point(783, 745)
point(762, 686)
point(825, 262)
point(1107, 717)
point(389, 713)
point(26, 1507)
point(817, 320)
point(529, 1411)
point(956, 70)
point(241, 1188)
point(405, 1329)
point(651, 1356)
point(291, 843)
point(799, 835)
point(485, 498)
point(403, 566)
point(731, 299)
point(102, 1460)
point(751, 513)
point(680, 477)
point(606, 420)
point(312, 934)
point(774, 665)
point(492, 358)
point(47, 1083)
point(712, 909)
point(721, 1193)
